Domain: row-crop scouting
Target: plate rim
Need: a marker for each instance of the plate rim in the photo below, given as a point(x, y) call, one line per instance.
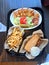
point(40, 21)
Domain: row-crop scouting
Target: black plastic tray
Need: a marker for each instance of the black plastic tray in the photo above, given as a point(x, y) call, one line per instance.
point(41, 26)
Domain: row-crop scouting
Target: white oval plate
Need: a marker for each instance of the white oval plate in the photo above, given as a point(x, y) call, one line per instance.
point(12, 18)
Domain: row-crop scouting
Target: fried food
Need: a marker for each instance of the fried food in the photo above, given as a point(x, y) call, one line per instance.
point(24, 12)
point(15, 39)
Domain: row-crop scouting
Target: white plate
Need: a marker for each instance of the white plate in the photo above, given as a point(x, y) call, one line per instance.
point(12, 18)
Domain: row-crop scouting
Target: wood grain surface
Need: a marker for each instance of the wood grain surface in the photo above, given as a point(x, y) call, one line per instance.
point(18, 63)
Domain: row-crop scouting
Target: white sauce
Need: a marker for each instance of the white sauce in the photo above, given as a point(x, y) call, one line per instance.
point(35, 51)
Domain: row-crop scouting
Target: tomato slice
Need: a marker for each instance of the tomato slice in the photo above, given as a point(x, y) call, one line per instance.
point(35, 21)
point(23, 20)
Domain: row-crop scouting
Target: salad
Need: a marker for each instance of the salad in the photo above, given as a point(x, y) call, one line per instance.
point(26, 18)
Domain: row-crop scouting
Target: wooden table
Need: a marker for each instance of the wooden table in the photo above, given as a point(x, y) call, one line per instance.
point(5, 57)
point(18, 63)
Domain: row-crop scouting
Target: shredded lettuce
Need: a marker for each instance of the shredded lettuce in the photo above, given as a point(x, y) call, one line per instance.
point(29, 20)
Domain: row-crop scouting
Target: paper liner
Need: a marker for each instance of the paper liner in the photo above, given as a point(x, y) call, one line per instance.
point(24, 42)
point(6, 46)
point(11, 28)
point(43, 44)
point(39, 32)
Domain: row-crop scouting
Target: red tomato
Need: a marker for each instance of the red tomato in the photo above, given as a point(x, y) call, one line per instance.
point(35, 21)
point(23, 20)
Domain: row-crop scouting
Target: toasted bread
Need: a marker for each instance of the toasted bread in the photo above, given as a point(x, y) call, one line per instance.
point(32, 42)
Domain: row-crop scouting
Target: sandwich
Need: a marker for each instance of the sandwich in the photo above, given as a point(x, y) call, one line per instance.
point(35, 41)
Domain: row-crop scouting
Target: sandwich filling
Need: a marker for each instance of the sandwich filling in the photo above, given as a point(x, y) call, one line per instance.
point(35, 40)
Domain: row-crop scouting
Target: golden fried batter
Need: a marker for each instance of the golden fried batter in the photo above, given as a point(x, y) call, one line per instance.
point(15, 38)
